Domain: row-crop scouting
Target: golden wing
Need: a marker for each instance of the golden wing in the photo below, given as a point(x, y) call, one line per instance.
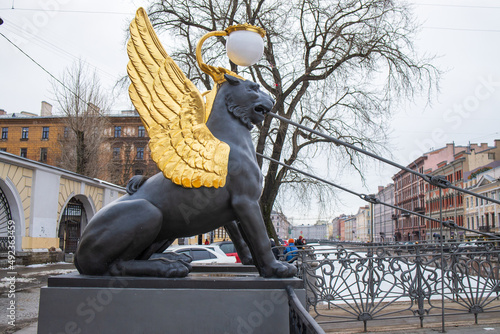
point(173, 112)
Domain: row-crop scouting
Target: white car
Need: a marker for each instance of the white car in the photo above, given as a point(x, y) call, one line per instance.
point(202, 254)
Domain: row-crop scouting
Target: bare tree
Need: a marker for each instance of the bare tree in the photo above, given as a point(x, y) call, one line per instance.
point(339, 67)
point(82, 103)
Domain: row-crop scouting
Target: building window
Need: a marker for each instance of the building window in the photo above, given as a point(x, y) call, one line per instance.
point(140, 153)
point(24, 152)
point(5, 133)
point(141, 131)
point(45, 132)
point(24, 134)
point(66, 132)
point(43, 154)
point(118, 131)
point(3, 149)
point(116, 152)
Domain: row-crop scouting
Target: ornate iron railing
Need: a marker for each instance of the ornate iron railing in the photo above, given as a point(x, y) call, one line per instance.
point(4, 244)
point(363, 284)
point(301, 322)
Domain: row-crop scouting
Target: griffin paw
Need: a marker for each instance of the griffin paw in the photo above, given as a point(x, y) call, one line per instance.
point(279, 270)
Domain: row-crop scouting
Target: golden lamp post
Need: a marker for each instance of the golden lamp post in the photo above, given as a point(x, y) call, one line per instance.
point(244, 47)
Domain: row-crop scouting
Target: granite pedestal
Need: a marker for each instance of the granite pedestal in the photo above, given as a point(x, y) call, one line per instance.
point(207, 301)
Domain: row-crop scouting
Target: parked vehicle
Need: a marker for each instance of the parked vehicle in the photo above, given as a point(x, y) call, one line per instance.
point(228, 248)
point(199, 254)
point(215, 248)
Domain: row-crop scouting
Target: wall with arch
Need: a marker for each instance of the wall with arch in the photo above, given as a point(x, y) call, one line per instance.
point(37, 195)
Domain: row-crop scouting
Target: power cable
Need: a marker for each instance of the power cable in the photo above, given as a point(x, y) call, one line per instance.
point(51, 47)
point(67, 11)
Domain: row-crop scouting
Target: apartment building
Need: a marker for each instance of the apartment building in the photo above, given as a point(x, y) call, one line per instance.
point(410, 193)
point(42, 137)
point(383, 216)
point(480, 214)
point(450, 204)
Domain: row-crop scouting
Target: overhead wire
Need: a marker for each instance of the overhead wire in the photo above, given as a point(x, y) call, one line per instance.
point(66, 11)
point(46, 71)
point(51, 47)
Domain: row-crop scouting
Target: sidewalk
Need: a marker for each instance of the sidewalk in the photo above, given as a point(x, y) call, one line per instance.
point(25, 292)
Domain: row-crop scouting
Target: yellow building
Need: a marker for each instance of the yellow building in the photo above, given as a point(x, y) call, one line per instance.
point(363, 230)
point(44, 209)
point(483, 215)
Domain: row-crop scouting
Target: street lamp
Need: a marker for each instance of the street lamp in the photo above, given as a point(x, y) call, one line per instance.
point(244, 47)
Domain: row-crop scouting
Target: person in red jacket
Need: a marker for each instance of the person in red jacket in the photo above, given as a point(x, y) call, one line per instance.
point(300, 242)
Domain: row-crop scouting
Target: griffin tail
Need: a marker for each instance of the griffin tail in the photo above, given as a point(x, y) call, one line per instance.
point(135, 183)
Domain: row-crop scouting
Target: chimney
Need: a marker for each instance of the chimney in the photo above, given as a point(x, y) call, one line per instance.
point(46, 109)
point(380, 188)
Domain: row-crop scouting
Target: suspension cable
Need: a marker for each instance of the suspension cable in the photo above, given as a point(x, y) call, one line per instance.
point(372, 199)
point(436, 180)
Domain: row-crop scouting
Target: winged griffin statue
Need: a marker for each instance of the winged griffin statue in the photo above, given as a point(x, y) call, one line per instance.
point(209, 174)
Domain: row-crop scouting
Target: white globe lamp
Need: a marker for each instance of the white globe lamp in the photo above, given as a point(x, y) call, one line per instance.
point(245, 44)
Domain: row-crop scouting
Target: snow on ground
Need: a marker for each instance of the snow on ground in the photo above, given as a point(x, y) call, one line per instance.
point(42, 265)
point(6, 282)
point(50, 272)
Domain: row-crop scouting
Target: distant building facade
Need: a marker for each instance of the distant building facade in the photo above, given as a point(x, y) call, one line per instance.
point(310, 232)
point(350, 229)
point(481, 214)
point(40, 138)
point(452, 205)
point(338, 228)
point(281, 225)
point(409, 194)
point(363, 224)
point(383, 216)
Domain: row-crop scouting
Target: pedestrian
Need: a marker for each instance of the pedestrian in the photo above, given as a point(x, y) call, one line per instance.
point(291, 251)
point(207, 242)
point(300, 242)
point(275, 250)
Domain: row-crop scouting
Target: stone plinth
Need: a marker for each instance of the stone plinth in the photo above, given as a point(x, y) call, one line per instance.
point(226, 301)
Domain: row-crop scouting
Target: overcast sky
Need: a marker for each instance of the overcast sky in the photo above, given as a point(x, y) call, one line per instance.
point(464, 34)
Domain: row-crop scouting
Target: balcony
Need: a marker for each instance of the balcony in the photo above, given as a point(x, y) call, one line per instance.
point(485, 228)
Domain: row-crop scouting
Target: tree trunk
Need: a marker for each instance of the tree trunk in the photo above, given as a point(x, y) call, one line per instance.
point(80, 152)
